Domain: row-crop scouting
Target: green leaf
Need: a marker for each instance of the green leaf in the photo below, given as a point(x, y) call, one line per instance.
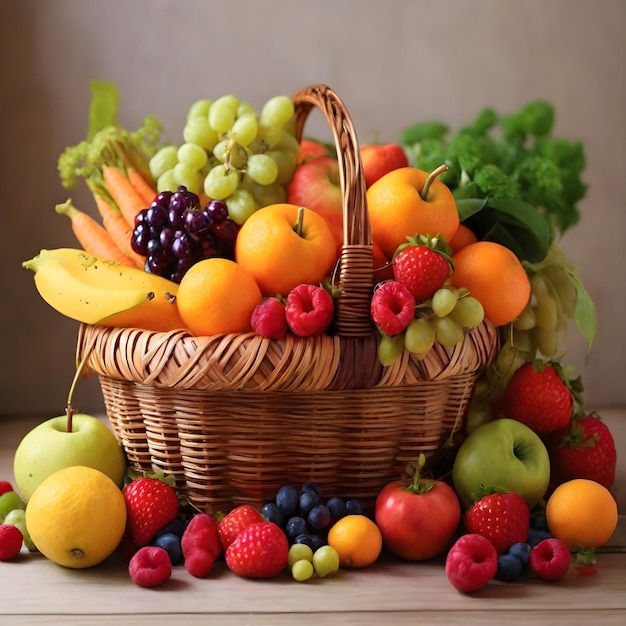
point(585, 315)
point(426, 130)
point(105, 99)
point(469, 206)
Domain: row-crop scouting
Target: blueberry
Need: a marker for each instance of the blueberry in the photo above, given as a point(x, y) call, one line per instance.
point(295, 526)
point(509, 568)
point(287, 500)
point(171, 544)
point(539, 522)
point(521, 551)
point(307, 501)
point(337, 508)
point(319, 517)
point(318, 541)
point(314, 487)
point(175, 527)
point(537, 536)
point(305, 538)
point(272, 513)
point(354, 507)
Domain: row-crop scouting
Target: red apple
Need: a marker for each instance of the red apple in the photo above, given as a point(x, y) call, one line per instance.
point(417, 519)
point(310, 149)
point(315, 185)
point(378, 160)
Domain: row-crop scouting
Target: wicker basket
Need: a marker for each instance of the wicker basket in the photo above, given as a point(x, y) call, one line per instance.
point(233, 417)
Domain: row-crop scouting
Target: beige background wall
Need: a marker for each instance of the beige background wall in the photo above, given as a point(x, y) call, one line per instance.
point(394, 62)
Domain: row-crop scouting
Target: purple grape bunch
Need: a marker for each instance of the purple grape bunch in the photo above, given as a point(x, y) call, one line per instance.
point(175, 232)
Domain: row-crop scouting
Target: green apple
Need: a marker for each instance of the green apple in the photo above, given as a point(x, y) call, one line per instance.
point(17, 517)
point(50, 447)
point(504, 453)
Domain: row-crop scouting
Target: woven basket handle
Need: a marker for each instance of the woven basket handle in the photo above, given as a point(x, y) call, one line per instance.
point(352, 310)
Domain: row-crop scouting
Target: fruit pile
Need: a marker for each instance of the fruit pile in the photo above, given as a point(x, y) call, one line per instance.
point(238, 230)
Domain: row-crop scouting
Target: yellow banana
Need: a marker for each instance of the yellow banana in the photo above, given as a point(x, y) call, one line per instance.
point(97, 291)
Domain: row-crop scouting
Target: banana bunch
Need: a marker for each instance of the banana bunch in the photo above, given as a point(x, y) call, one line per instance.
point(97, 291)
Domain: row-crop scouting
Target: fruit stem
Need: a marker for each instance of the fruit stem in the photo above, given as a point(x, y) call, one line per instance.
point(429, 181)
point(69, 409)
point(415, 473)
point(298, 225)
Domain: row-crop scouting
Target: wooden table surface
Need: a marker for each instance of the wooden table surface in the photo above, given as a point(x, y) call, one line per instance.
point(34, 590)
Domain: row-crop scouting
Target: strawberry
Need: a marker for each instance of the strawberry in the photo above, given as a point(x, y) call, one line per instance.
point(260, 551)
point(150, 504)
point(392, 307)
point(500, 516)
point(540, 396)
point(585, 449)
point(229, 527)
point(422, 266)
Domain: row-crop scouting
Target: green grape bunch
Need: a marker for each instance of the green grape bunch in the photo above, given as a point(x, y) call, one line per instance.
point(232, 153)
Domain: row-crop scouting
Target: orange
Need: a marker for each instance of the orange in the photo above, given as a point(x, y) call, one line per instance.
point(397, 211)
point(582, 513)
point(357, 539)
point(495, 277)
point(217, 296)
point(463, 237)
point(279, 254)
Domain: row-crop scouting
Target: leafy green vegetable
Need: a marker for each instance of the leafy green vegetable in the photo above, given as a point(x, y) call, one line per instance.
point(105, 100)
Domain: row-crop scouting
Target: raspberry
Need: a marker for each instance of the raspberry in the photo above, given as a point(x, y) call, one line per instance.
point(199, 562)
point(309, 310)
point(269, 319)
point(201, 533)
point(471, 563)
point(392, 307)
point(150, 566)
point(5, 486)
point(11, 539)
point(550, 559)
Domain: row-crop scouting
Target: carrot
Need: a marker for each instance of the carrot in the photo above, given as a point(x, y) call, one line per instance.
point(123, 193)
point(91, 235)
point(142, 186)
point(118, 228)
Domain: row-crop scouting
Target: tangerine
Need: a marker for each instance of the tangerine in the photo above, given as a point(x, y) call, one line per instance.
point(463, 237)
point(495, 277)
point(217, 296)
point(76, 517)
point(397, 210)
point(582, 513)
point(284, 245)
point(357, 539)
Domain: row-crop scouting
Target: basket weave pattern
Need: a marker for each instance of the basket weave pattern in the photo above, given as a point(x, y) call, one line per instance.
point(233, 417)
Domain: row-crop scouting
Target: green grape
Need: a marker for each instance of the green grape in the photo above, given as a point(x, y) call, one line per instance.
point(524, 340)
point(17, 517)
point(326, 561)
point(241, 205)
point(443, 301)
point(262, 169)
point(244, 129)
point(539, 287)
point(188, 176)
point(277, 111)
point(288, 143)
point(163, 159)
point(167, 181)
point(419, 336)
point(200, 108)
point(264, 195)
point(220, 150)
point(447, 332)
point(546, 340)
point(286, 163)
point(223, 113)
point(244, 108)
point(468, 312)
point(477, 414)
point(9, 501)
point(546, 314)
point(198, 131)
point(269, 136)
point(564, 288)
point(390, 348)
point(302, 570)
point(298, 552)
point(193, 155)
point(219, 183)
point(526, 319)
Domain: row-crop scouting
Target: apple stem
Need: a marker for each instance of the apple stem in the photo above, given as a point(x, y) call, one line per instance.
point(298, 225)
point(429, 180)
point(69, 409)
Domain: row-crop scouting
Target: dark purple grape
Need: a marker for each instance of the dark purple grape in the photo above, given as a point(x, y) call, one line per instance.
point(156, 216)
point(181, 269)
point(140, 239)
point(182, 245)
point(154, 247)
point(141, 217)
point(226, 232)
point(163, 199)
point(176, 218)
point(157, 265)
point(217, 210)
point(209, 248)
point(196, 221)
point(166, 237)
point(319, 517)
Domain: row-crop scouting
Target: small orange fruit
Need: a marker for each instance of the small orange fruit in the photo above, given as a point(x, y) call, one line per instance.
point(397, 210)
point(495, 277)
point(463, 237)
point(217, 296)
point(582, 513)
point(357, 539)
point(283, 246)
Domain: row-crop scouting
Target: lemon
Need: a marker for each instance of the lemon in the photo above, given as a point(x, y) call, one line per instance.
point(76, 517)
